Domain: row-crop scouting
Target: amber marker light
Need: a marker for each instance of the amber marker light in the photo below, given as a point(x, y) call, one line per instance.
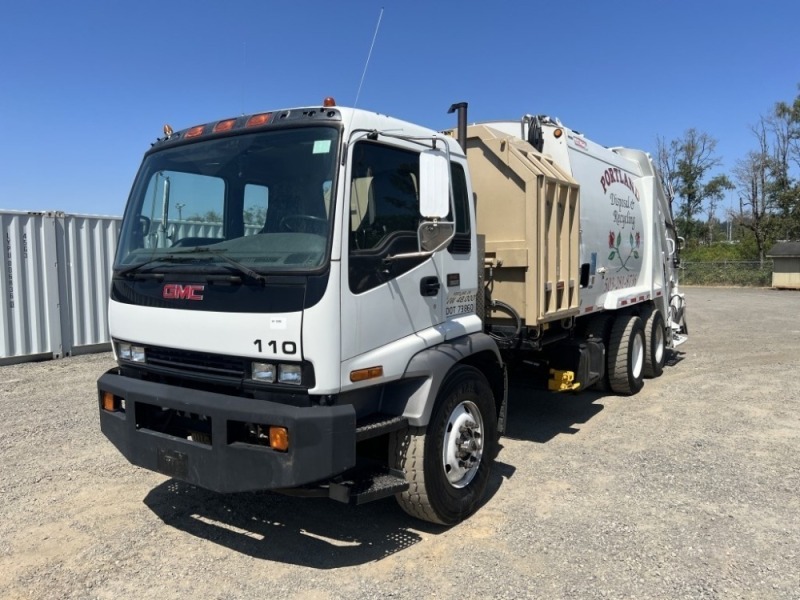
point(195, 131)
point(257, 120)
point(558, 133)
point(224, 125)
point(279, 438)
point(329, 102)
point(364, 374)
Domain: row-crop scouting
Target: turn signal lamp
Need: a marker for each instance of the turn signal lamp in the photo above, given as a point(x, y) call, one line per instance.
point(279, 438)
point(328, 102)
point(112, 403)
point(364, 374)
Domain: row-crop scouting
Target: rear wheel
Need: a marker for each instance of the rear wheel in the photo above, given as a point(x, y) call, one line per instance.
point(626, 352)
point(655, 350)
point(447, 463)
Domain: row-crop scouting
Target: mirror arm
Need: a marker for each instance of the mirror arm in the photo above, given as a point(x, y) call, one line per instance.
point(422, 254)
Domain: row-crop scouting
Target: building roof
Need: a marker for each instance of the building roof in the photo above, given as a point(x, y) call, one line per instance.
point(785, 249)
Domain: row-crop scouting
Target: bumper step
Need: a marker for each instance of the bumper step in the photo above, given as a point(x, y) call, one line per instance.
point(368, 484)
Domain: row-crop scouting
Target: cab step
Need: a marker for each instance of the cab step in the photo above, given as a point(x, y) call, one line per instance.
point(368, 484)
point(378, 424)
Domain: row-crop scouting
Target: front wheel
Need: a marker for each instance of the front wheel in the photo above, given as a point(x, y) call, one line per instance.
point(447, 463)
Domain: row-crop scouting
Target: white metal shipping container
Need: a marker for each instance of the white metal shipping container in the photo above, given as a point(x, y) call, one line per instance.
point(56, 271)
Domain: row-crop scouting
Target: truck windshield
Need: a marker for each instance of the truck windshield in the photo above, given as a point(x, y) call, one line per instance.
point(262, 201)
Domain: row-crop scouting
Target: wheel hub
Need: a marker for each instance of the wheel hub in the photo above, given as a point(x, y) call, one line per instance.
point(463, 444)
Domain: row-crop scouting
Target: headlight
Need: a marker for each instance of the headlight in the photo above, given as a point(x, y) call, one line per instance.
point(290, 374)
point(130, 352)
point(137, 354)
point(263, 372)
point(124, 351)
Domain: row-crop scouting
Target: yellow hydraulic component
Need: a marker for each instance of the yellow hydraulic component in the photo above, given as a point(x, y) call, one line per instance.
point(562, 381)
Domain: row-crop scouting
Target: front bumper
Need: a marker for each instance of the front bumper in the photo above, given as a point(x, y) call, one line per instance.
point(322, 439)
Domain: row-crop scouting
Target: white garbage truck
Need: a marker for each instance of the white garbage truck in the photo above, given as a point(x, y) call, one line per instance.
point(327, 301)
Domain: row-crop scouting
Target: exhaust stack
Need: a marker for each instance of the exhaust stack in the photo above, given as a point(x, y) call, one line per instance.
point(461, 107)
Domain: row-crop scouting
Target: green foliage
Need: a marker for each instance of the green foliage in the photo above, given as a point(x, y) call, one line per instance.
point(765, 181)
point(722, 251)
point(207, 217)
point(255, 215)
point(731, 273)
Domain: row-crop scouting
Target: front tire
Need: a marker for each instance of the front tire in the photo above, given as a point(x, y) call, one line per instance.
point(448, 463)
point(626, 352)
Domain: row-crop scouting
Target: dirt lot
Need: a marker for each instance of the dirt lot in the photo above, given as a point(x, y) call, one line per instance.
point(691, 489)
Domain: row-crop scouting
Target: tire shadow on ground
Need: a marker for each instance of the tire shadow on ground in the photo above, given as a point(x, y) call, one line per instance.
point(312, 532)
point(535, 415)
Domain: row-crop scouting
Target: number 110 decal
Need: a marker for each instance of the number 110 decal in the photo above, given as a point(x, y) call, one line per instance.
point(286, 347)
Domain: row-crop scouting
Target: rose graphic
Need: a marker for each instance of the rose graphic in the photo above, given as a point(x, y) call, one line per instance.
point(614, 243)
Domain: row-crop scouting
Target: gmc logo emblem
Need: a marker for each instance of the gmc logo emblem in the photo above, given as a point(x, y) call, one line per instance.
point(176, 291)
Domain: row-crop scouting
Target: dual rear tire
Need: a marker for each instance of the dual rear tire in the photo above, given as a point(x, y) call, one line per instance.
point(626, 352)
point(635, 349)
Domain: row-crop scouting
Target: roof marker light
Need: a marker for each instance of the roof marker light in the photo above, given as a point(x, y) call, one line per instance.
point(226, 125)
point(168, 130)
point(195, 131)
point(328, 102)
point(257, 120)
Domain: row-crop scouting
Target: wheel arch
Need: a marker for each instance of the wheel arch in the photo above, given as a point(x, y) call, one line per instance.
point(431, 369)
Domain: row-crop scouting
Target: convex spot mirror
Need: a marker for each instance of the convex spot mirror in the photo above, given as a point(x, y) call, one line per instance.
point(435, 235)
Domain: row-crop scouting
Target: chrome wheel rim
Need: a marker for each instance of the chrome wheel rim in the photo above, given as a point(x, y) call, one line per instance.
point(463, 444)
point(637, 356)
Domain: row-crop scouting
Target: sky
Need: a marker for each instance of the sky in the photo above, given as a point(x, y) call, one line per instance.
point(86, 86)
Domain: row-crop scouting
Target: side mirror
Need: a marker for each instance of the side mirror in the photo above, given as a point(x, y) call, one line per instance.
point(144, 225)
point(434, 184)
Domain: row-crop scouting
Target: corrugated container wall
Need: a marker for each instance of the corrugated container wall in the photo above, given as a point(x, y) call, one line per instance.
point(56, 272)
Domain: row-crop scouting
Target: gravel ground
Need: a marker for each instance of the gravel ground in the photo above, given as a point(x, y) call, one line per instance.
point(687, 490)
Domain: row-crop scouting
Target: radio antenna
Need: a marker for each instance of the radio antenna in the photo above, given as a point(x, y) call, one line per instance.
point(244, 71)
point(369, 55)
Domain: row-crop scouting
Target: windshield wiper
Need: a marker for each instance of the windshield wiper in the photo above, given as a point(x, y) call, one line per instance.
point(235, 263)
point(169, 258)
point(189, 255)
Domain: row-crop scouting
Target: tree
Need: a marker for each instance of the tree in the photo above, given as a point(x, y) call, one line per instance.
point(753, 184)
point(685, 164)
point(784, 124)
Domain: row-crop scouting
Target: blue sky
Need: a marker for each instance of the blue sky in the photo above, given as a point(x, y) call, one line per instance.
point(85, 86)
